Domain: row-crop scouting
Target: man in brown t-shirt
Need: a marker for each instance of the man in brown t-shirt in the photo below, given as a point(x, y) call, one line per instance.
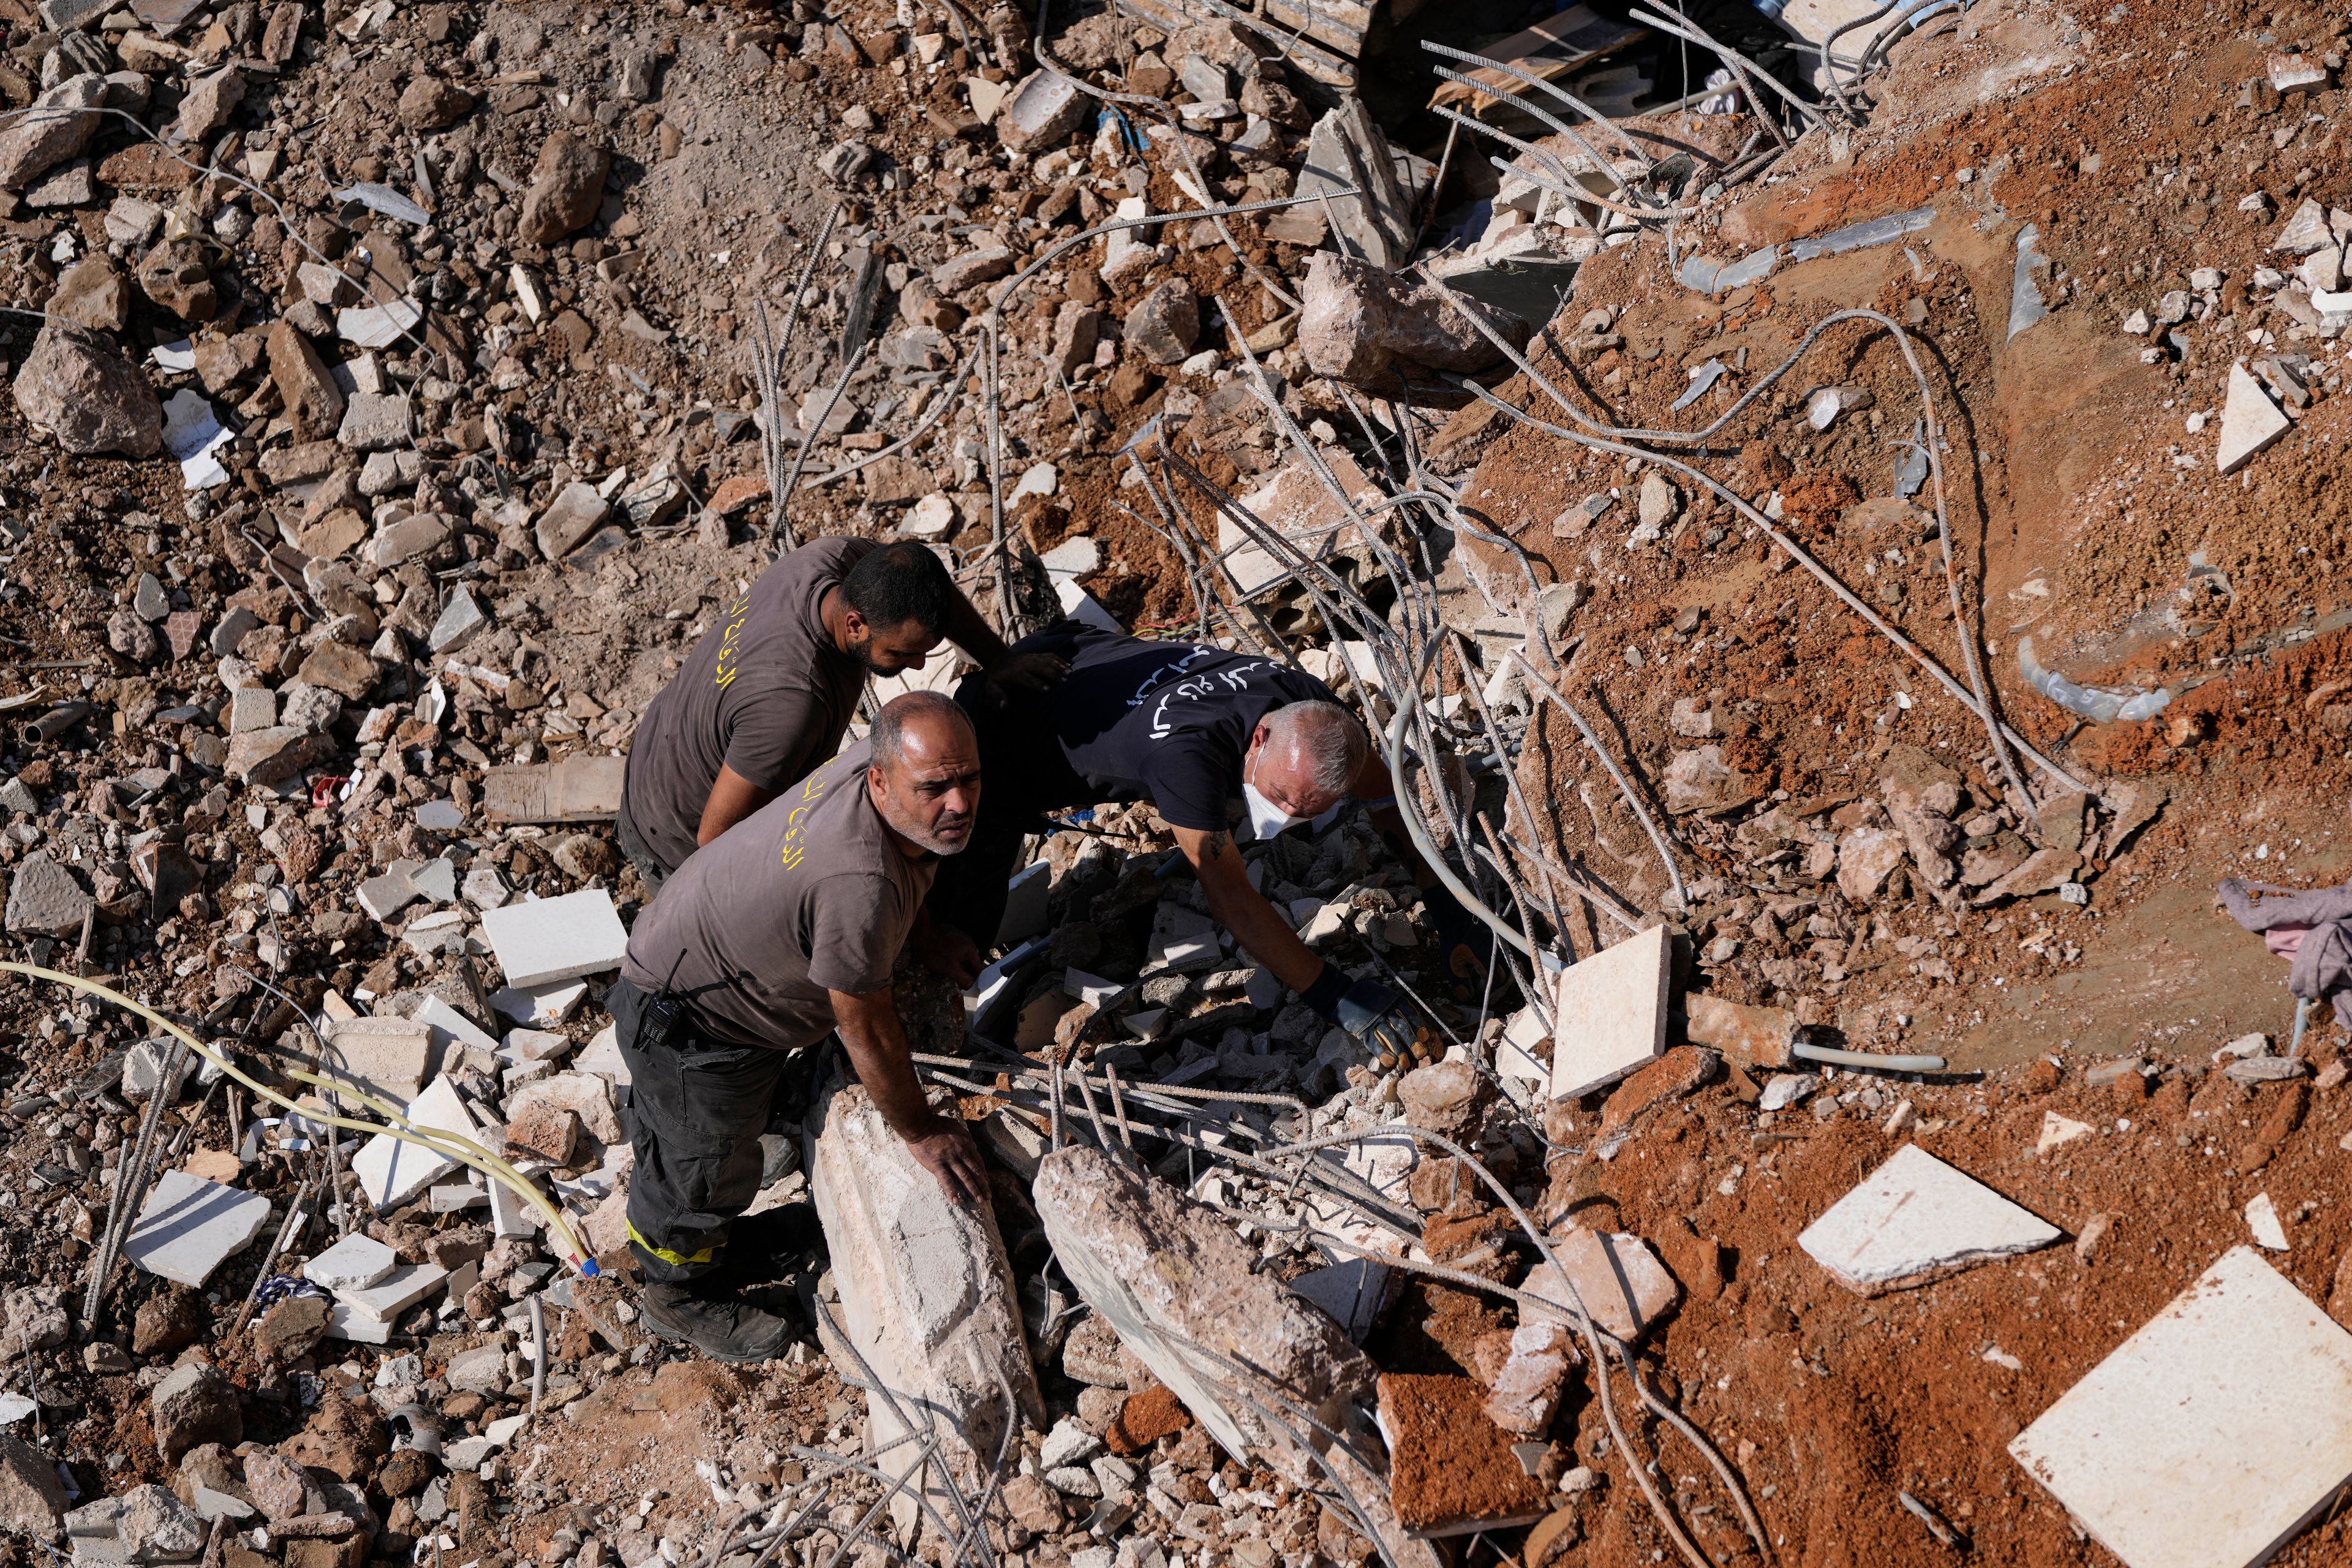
point(770, 689)
point(757, 950)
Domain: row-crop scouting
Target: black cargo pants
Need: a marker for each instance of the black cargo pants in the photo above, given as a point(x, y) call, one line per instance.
point(697, 1108)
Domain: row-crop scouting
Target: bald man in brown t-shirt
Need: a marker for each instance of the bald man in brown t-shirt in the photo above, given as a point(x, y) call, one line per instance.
point(757, 950)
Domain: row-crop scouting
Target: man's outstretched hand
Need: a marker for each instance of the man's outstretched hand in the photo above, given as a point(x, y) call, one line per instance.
point(1026, 672)
point(948, 1153)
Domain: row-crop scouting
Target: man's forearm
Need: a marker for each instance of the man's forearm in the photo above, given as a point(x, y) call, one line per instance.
point(877, 1050)
point(1264, 933)
point(969, 631)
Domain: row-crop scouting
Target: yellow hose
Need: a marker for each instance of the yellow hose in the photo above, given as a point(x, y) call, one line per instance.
point(449, 1145)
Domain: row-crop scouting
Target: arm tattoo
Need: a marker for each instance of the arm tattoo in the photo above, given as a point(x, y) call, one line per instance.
point(1216, 847)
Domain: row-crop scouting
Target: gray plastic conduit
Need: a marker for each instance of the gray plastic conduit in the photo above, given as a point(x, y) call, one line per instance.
point(2100, 705)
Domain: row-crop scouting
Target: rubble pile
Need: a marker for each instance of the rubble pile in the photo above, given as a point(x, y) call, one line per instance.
point(1836, 545)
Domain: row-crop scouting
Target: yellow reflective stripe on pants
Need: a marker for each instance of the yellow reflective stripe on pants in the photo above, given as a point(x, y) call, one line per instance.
point(675, 1259)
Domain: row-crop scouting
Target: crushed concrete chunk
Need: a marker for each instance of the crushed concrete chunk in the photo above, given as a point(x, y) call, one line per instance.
point(1169, 1275)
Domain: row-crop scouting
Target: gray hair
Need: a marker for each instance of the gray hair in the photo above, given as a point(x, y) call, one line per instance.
point(1327, 737)
point(890, 731)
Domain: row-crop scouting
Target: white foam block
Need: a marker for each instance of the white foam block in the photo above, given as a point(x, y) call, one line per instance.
point(543, 940)
point(2213, 1435)
point(1914, 1219)
point(1610, 1013)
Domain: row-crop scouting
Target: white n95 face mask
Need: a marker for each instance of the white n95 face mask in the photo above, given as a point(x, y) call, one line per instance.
point(1266, 819)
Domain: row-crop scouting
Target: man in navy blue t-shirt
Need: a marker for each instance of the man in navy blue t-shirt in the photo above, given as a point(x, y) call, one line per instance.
point(1187, 726)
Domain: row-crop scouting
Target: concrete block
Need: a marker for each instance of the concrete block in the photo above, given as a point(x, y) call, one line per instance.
point(190, 1226)
point(391, 1171)
point(1609, 1014)
point(926, 1294)
point(1914, 1219)
point(2212, 1437)
point(1169, 1275)
point(584, 1094)
point(359, 1328)
point(354, 1263)
point(547, 939)
point(602, 1056)
point(576, 789)
point(389, 1057)
point(1025, 904)
point(509, 1216)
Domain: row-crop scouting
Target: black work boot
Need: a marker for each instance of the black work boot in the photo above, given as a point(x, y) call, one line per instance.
point(720, 1324)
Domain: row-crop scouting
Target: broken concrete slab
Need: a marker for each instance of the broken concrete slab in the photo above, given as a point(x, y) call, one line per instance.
point(448, 1026)
point(584, 1094)
point(543, 940)
point(1609, 1014)
point(1915, 1219)
point(931, 1306)
point(1169, 1275)
point(391, 1171)
point(538, 1007)
point(576, 789)
point(190, 1226)
point(2212, 1436)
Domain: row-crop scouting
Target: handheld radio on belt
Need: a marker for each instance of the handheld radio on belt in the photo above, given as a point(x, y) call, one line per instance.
point(665, 1015)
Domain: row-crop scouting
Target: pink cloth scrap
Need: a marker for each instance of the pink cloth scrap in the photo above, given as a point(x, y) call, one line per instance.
point(2286, 941)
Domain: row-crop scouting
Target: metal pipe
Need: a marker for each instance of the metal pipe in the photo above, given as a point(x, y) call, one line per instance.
point(56, 721)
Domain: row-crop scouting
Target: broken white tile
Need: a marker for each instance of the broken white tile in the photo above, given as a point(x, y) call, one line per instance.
point(545, 939)
point(509, 1216)
point(2057, 1131)
point(2250, 421)
point(353, 1263)
point(538, 1007)
point(190, 1226)
point(1514, 1054)
point(1914, 1218)
point(534, 1045)
point(2262, 1222)
point(602, 1055)
point(391, 1172)
point(447, 1024)
point(2213, 1435)
point(1609, 1016)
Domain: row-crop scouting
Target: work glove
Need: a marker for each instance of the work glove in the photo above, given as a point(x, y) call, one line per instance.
point(1371, 1012)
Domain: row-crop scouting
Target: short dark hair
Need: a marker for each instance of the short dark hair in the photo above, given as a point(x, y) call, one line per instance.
point(894, 584)
point(889, 731)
